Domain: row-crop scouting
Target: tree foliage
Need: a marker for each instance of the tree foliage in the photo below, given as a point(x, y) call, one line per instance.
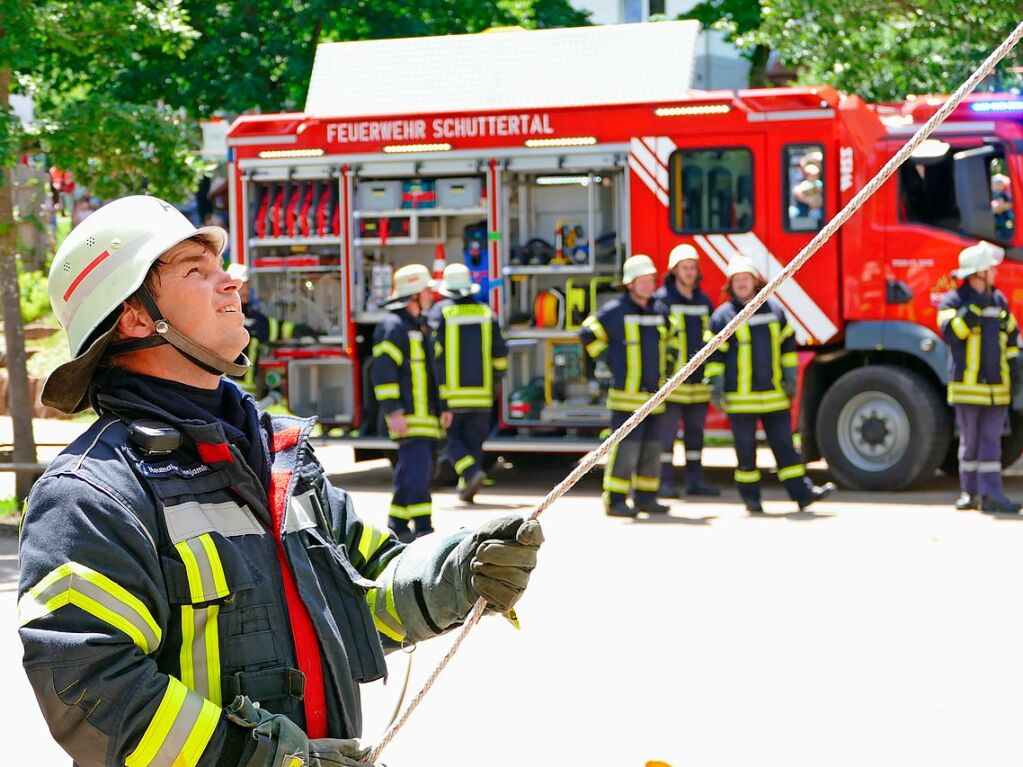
point(258, 54)
point(882, 50)
point(69, 56)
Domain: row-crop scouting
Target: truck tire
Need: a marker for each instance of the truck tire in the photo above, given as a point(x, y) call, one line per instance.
point(1012, 446)
point(883, 427)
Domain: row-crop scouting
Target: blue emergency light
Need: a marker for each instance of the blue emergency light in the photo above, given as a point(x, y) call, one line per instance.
point(1002, 106)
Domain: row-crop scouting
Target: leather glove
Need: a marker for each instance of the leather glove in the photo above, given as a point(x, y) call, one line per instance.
point(788, 381)
point(503, 556)
point(717, 392)
point(282, 743)
point(971, 318)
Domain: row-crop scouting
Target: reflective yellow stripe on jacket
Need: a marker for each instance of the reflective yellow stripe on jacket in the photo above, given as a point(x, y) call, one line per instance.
point(179, 731)
point(453, 391)
point(689, 392)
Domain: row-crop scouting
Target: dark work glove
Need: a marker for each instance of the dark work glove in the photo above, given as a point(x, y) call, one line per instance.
point(971, 318)
point(282, 743)
point(504, 555)
point(788, 381)
point(717, 392)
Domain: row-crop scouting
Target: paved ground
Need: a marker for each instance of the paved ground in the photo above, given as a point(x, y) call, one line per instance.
point(874, 631)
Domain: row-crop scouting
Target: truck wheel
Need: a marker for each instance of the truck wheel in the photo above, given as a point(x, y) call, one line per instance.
point(1012, 446)
point(882, 427)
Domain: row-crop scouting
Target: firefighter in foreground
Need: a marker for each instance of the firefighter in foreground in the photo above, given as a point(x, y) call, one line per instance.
point(405, 384)
point(687, 311)
point(753, 378)
point(186, 556)
point(984, 375)
point(631, 332)
point(469, 354)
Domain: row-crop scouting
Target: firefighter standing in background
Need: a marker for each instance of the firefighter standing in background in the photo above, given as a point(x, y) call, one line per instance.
point(406, 389)
point(687, 311)
point(984, 375)
point(753, 378)
point(469, 354)
point(631, 332)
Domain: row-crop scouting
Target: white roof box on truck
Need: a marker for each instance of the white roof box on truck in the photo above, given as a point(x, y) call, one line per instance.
point(549, 68)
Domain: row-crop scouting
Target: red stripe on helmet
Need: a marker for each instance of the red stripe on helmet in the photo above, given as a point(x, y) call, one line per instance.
point(85, 273)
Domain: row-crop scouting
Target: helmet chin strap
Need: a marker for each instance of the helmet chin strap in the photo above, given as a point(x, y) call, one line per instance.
point(165, 334)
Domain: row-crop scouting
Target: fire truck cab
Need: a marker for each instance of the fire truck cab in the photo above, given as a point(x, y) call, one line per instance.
point(467, 148)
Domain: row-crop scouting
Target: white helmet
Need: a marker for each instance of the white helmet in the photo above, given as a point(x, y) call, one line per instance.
point(741, 265)
point(978, 258)
point(102, 263)
point(637, 266)
point(680, 253)
point(408, 281)
point(457, 282)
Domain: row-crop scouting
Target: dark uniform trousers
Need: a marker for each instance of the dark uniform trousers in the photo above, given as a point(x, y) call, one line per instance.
point(778, 428)
point(980, 448)
point(465, 437)
point(633, 463)
point(693, 418)
point(412, 476)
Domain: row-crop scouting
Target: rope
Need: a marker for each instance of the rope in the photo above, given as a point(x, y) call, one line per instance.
point(698, 359)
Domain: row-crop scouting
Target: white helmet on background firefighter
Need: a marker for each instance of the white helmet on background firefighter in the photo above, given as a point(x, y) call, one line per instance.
point(637, 266)
point(104, 262)
point(409, 281)
point(680, 253)
point(978, 258)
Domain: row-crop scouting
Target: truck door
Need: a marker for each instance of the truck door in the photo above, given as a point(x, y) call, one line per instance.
point(802, 195)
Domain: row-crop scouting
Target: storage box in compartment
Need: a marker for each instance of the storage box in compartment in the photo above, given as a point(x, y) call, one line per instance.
point(459, 192)
point(378, 195)
point(418, 193)
point(322, 388)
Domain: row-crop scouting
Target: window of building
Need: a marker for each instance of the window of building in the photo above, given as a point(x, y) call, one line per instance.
point(803, 187)
point(710, 190)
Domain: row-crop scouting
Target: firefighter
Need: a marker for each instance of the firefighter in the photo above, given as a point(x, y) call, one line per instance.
point(631, 332)
point(984, 375)
point(753, 378)
point(469, 354)
point(263, 330)
point(187, 556)
point(687, 311)
point(405, 385)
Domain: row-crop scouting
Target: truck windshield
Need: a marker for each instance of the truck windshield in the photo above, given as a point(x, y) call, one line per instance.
point(928, 194)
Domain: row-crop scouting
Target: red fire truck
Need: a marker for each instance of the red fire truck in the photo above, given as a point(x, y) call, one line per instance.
point(544, 172)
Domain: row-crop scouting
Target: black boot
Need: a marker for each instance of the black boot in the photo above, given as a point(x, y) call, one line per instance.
point(699, 487)
point(652, 507)
point(999, 504)
point(468, 486)
point(818, 493)
point(967, 501)
point(668, 490)
point(754, 506)
point(620, 509)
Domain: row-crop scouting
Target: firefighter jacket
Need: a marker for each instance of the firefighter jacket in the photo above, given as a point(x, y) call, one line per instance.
point(158, 584)
point(688, 321)
point(403, 374)
point(753, 359)
point(469, 351)
point(978, 366)
point(633, 337)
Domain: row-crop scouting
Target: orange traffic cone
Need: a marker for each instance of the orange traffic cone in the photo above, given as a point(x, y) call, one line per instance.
point(439, 262)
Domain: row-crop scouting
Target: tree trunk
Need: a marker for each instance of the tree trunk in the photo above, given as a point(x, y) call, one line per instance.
point(10, 299)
